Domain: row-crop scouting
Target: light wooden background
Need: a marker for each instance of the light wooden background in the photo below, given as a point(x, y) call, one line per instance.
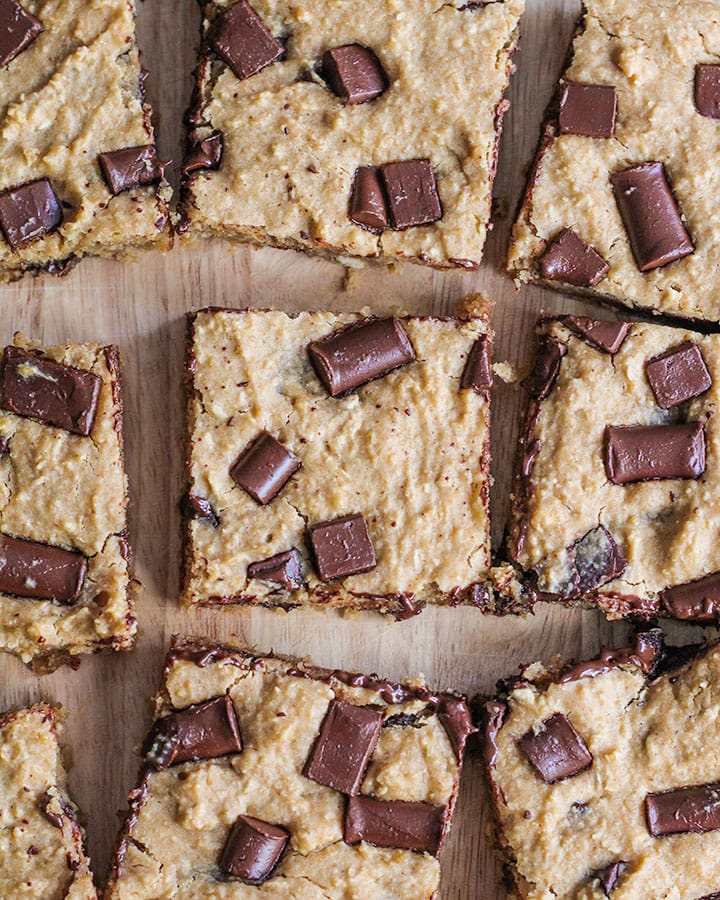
point(141, 307)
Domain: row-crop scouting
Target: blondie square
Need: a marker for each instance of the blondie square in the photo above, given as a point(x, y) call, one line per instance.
point(366, 131)
point(622, 200)
point(339, 460)
point(266, 776)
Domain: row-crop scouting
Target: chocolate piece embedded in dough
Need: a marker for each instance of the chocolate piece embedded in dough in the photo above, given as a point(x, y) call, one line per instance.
point(698, 600)
point(588, 109)
point(39, 571)
point(18, 29)
point(546, 367)
point(264, 467)
point(253, 849)
point(606, 336)
point(478, 369)
point(130, 168)
point(240, 37)
point(647, 452)
point(342, 547)
point(204, 731)
point(205, 154)
point(707, 90)
point(571, 259)
point(557, 751)
point(28, 211)
point(341, 754)
point(397, 824)
point(678, 375)
point(285, 569)
point(367, 203)
point(683, 810)
point(411, 192)
point(354, 73)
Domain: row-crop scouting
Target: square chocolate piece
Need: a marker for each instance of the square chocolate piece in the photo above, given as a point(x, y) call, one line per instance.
point(64, 571)
point(649, 798)
point(319, 794)
point(333, 90)
point(617, 483)
point(82, 184)
point(337, 396)
point(641, 196)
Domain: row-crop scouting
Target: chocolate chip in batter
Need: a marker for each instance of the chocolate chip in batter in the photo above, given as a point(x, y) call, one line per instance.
point(342, 547)
point(611, 875)
point(546, 368)
point(605, 336)
point(597, 559)
point(204, 731)
point(48, 391)
point(411, 192)
point(478, 371)
point(18, 29)
point(204, 154)
point(397, 824)
point(195, 507)
point(678, 375)
point(698, 601)
point(28, 211)
point(240, 37)
point(341, 754)
point(264, 467)
point(356, 355)
point(367, 202)
point(588, 109)
point(707, 90)
point(651, 216)
point(39, 571)
point(557, 751)
point(571, 259)
point(683, 810)
point(646, 452)
point(253, 849)
point(130, 168)
point(285, 569)
point(354, 73)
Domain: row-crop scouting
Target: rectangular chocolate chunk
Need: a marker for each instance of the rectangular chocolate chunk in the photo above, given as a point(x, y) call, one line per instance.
point(347, 738)
point(284, 568)
point(264, 468)
point(588, 109)
point(678, 375)
point(130, 168)
point(18, 29)
point(707, 90)
point(411, 192)
point(241, 38)
point(556, 751)
point(253, 849)
point(683, 810)
point(28, 211)
point(571, 259)
point(354, 73)
point(204, 731)
point(645, 452)
point(342, 547)
point(367, 204)
point(478, 369)
point(606, 336)
point(48, 391)
point(39, 571)
point(546, 368)
point(397, 824)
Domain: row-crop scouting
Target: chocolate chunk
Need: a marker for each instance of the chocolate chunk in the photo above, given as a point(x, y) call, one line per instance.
point(645, 452)
point(678, 375)
point(240, 37)
point(546, 368)
point(354, 73)
point(609, 876)
point(39, 571)
point(478, 371)
point(205, 154)
point(130, 168)
point(690, 809)
point(606, 336)
point(342, 547)
point(204, 731)
point(253, 849)
point(646, 655)
point(367, 203)
point(341, 754)
point(557, 751)
point(18, 29)
point(596, 559)
point(361, 353)
point(283, 568)
point(454, 714)
point(411, 192)
point(588, 109)
point(28, 211)
point(48, 391)
point(698, 600)
point(397, 824)
point(571, 259)
point(492, 715)
point(264, 467)
point(651, 216)
point(194, 507)
point(707, 91)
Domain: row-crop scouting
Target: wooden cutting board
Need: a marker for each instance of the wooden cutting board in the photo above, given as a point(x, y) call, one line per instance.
point(141, 308)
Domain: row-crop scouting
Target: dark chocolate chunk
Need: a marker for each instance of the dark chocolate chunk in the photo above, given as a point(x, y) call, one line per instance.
point(588, 109)
point(341, 754)
point(264, 467)
point(606, 336)
point(342, 547)
point(610, 875)
point(678, 375)
point(645, 452)
point(367, 203)
point(698, 600)
point(546, 368)
point(195, 507)
point(397, 824)
point(571, 259)
point(253, 849)
point(707, 90)
point(411, 192)
point(354, 356)
point(690, 809)
point(454, 713)
point(39, 571)
point(18, 29)
point(241, 38)
point(651, 216)
point(285, 569)
point(557, 751)
point(48, 391)
point(354, 73)
point(478, 370)
point(28, 211)
point(647, 655)
point(130, 168)
point(596, 559)
point(205, 154)
point(204, 731)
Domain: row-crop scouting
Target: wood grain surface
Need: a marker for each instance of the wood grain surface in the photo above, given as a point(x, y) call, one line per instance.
point(141, 308)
